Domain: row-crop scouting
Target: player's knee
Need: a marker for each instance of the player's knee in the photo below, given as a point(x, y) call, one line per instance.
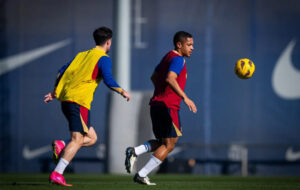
point(78, 139)
point(94, 139)
point(170, 147)
point(92, 135)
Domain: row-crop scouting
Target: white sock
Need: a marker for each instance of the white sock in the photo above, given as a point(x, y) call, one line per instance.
point(143, 148)
point(61, 166)
point(151, 164)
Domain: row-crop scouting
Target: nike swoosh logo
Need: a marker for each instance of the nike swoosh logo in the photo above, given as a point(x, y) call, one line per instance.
point(12, 62)
point(286, 77)
point(30, 154)
point(290, 155)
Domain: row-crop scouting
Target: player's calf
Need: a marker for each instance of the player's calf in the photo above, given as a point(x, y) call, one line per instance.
point(170, 147)
point(90, 138)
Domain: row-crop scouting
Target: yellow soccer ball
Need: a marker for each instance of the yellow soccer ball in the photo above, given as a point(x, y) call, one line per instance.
point(244, 68)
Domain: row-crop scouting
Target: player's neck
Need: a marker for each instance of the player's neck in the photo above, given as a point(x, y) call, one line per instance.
point(100, 48)
point(178, 52)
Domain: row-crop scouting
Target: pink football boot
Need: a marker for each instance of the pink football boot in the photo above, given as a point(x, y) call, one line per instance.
point(58, 146)
point(58, 179)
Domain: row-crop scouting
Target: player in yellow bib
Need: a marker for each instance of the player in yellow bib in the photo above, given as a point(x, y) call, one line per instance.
point(74, 87)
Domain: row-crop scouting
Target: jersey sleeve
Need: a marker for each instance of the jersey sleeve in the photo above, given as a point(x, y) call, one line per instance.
point(177, 64)
point(61, 72)
point(104, 65)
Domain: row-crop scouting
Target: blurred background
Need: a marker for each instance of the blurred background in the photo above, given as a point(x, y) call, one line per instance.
point(242, 127)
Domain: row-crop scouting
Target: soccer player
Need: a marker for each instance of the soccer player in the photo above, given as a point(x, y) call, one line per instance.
point(74, 87)
point(169, 78)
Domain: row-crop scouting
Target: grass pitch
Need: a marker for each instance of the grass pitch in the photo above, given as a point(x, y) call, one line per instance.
point(167, 182)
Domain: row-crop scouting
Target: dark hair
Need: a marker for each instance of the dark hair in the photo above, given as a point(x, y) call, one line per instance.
point(101, 35)
point(181, 36)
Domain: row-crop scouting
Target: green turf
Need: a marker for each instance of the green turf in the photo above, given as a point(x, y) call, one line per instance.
point(168, 182)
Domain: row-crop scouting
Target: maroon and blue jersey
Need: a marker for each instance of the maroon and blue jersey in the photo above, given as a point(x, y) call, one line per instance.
point(163, 93)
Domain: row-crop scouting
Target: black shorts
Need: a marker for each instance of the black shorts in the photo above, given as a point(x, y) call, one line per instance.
point(165, 122)
point(77, 116)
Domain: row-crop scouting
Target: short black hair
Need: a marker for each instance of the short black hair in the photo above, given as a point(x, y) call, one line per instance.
point(180, 37)
point(102, 34)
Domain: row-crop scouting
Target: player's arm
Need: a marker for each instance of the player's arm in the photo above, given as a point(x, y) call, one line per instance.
point(171, 80)
point(51, 95)
point(104, 65)
point(176, 66)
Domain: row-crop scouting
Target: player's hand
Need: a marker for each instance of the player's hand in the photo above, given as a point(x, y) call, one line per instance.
point(49, 97)
point(190, 104)
point(125, 95)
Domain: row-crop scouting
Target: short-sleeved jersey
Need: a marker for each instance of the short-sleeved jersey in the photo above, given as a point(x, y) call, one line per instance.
point(163, 93)
point(77, 80)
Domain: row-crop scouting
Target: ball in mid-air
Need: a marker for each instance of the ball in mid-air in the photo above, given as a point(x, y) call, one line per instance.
point(244, 68)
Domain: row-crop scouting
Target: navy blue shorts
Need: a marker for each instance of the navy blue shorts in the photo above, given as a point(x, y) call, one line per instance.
point(77, 116)
point(165, 122)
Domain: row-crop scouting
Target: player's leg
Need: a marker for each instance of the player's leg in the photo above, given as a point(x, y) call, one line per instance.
point(78, 118)
point(133, 152)
point(74, 145)
point(149, 146)
point(167, 146)
point(59, 145)
point(167, 127)
point(68, 154)
point(165, 122)
point(70, 151)
point(90, 138)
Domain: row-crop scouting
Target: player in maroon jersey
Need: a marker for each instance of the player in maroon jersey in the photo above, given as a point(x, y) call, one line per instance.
point(169, 80)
